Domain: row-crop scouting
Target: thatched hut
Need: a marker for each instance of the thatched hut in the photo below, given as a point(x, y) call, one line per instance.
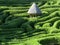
point(34, 10)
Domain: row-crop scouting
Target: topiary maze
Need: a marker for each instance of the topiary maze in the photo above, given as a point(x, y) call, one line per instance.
point(17, 28)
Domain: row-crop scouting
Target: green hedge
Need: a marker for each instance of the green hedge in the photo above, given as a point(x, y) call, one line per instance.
point(13, 23)
point(48, 41)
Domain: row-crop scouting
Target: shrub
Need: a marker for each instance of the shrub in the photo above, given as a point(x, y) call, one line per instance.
point(26, 26)
point(46, 25)
point(13, 23)
point(57, 24)
point(48, 41)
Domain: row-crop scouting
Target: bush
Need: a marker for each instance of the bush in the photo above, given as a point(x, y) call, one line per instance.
point(46, 25)
point(13, 23)
point(48, 41)
point(26, 26)
point(57, 24)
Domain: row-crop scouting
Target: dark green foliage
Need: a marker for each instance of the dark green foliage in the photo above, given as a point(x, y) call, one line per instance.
point(49, 41)
point(15, 23)
point(27, 27)
point(8, 34)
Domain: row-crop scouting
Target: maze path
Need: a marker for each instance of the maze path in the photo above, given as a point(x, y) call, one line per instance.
point(41, 28)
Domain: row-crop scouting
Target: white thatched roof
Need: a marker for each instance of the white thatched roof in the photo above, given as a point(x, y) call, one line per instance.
point(34, 9)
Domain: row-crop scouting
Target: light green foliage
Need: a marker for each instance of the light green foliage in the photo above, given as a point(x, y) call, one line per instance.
point(18, 28)
point(46, 25)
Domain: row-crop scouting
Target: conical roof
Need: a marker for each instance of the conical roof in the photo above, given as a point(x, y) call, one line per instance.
point(34, 9)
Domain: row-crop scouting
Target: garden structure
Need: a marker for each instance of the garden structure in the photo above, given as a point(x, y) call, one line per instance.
point(34, 10)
